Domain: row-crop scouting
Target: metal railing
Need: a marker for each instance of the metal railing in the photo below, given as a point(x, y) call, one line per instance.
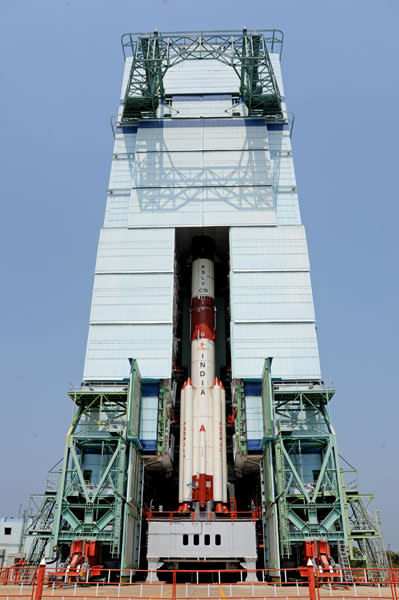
point(21, 581)
point(232, 515)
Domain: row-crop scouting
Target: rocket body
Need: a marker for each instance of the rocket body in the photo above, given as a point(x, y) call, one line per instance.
point(202, 473)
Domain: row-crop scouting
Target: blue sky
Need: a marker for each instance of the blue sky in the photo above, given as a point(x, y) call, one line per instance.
point(60, 75)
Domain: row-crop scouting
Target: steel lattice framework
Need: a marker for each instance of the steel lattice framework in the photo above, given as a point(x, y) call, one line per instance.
point(94, 509)
point(245, 52)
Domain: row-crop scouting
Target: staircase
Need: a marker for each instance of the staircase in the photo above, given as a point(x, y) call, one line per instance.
point(282, 503)
point(40, 528)
point(344, 562)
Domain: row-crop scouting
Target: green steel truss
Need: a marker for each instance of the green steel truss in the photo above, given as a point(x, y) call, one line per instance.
point(307, 477)
point(95, 491)
point(98, 469)
point(364, 528)
point(307, 495)
point(41, 517)
point(303, 495)
point(246, 52)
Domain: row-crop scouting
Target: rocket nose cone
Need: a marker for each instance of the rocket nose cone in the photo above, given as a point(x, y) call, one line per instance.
point(216, 382)
point(188, 382)
point(202, 428)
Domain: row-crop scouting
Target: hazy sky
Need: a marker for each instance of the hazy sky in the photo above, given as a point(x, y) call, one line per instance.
point(60, 75)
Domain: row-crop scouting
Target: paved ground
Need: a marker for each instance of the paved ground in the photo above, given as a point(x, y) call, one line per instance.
point(160, 591)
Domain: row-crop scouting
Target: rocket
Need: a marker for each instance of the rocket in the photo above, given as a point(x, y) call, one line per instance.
point(202, 465)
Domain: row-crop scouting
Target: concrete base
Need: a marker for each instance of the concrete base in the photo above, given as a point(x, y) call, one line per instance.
point(153, 565)
point(250, 565)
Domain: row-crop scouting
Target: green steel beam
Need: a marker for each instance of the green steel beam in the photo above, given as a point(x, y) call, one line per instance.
point(71, 519)
point(330, 519)
point(161, 419)
point(78, 470)
point(104, 521)
point(134, 405)
point(267, 400)
point(107, 471)
point(241, 419)
point(295, 472)
point(298, 522)
point(320, 478)
point(274, 38)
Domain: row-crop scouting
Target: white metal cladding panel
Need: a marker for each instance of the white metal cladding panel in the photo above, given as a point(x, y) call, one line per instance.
point(269, 248)
point(283, 177)
point(202, 77)
point(120, 178)
point(287, 208)
point(117, 209)
point(249, 167)
point(196, 168)
point(271, 296)
point(188, 135)
point(169, 136)
point(209, 173)
point(168, 169)
point(275, 60)
point(279, 141)
point(245, 205)
point(110, 346)
point(125, 143)
point(202, 106)
point(132, 308)
point(120, 182)
point(132, 297)
point(196, 206)
point(162, 207)
point(272, 305)
point(254, 417)
point(132, 250)
point(126, 73)
point(148, 418)
point(122, 161)
point(234, 134)
point(283, 170)
point(293, 347)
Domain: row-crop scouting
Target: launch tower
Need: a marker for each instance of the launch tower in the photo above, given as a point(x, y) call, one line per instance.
point(201, 429)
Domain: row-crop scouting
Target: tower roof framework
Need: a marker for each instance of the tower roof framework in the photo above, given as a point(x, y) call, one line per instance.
point(246, 52)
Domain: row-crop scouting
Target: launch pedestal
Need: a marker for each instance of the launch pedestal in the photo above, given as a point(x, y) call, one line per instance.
point(216, 541)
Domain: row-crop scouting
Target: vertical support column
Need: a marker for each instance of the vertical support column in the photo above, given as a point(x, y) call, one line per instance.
point(270, 511)
point(40, 580)
point(311, 580)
